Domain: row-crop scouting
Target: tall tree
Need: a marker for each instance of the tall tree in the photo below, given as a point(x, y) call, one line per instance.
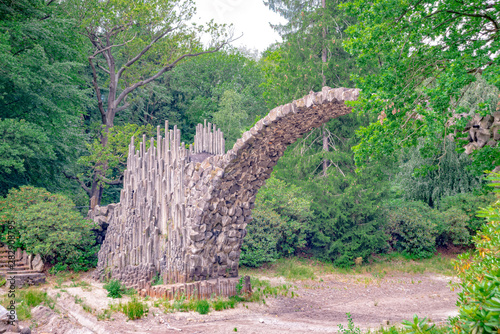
point(429, 53)
point(133, 44)
point(311, 54)
point(42, 92)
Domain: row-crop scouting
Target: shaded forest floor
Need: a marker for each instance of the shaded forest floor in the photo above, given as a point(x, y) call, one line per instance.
point(384, 293)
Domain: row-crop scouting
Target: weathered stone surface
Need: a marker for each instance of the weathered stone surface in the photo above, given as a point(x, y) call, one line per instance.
point(486, 122)
point(183, 213)
point(37, 263)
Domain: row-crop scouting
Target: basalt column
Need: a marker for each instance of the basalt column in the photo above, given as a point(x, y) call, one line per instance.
point(183, 212)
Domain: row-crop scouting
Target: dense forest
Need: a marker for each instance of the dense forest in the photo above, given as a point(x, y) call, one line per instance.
point(79, 78)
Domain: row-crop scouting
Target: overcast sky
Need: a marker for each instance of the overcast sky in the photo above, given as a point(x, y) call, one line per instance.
point(250, 17)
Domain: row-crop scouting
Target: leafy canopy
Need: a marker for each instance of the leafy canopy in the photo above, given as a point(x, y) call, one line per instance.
point(429, 52)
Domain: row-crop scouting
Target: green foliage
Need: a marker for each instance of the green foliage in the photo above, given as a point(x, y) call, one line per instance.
point(25, 149)
point(202, 307)
point(443, 173)
point(47, 224)
point(157, 280)
point(26, 299)
point(479, 271)
point(115, 289)
point(350, 327)
point(429, 53)
point(42, 93)
point(199, 84)
point(110, 161)
point(418, 325)
point(411, 228)
point(311, 54)
point(468, 203)
point(134, 309)
point(345, 221)
point(279, 226)
point(260, 244)
point(231, 117)
point(452, 228)
point(293, 269)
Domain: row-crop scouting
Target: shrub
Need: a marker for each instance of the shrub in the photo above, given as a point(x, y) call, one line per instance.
point(259, 245)
point(202, 306)
point(468, 203)
point(134, 309)
point(115, 288)
point(452, 228)
point(47, 224)
point(411, 228)
point(281, 223)
point(479, 271)
point(26, 299)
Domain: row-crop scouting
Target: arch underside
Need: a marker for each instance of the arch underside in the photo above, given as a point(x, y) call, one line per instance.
point(216, 195)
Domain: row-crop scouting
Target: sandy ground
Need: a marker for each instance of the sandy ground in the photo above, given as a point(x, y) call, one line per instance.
point(320, 306)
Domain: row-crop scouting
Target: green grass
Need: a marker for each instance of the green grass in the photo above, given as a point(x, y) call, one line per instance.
point(262, 289)
point(293, 269)
point(302, 269)
point(134, 309)
point(26, 299)
point(116, 289)
point(202, 307)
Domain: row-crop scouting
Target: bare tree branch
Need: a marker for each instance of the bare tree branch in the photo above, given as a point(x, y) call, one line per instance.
point(110, 182)
point(143, 51)
point(123, 107)
point(97, 91)
point(102, 68)
point(168, 67)
point(484, 16)
point(112, 46)
point(83, 185)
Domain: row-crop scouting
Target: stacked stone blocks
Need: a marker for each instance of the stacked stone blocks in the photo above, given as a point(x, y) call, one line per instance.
point(183, 212)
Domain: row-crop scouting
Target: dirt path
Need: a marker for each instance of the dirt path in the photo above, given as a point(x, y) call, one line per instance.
point(319, 307)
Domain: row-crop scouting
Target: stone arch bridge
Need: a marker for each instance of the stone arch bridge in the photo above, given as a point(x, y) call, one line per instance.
point(182, 212)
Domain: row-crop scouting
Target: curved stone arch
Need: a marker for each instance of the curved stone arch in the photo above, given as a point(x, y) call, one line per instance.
point(183, 213)
point(246, 167)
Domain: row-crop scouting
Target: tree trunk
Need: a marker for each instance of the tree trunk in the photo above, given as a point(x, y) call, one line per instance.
point(323, 60)
point(325, 149)
point(97, 188)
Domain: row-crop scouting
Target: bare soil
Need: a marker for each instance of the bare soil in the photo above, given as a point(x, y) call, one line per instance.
point(320, 306)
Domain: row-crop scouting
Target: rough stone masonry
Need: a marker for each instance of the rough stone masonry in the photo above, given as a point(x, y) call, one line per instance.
point(182, 212)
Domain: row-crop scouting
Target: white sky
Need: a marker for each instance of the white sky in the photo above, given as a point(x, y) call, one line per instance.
point(250, 17)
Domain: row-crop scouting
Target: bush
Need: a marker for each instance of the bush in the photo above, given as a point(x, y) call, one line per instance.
point(479, 271)
point(411, 228)
point(47, 224)
point(280, 223)
point(115, 289)
point(468, 203)
point(452, 228)
point(260, 243)
point(134, 309)
point(202, 307)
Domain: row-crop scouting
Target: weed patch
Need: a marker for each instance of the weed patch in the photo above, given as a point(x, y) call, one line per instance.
point(134, 309)
point(116, 289)
point(293, 269)
point(26, 300)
